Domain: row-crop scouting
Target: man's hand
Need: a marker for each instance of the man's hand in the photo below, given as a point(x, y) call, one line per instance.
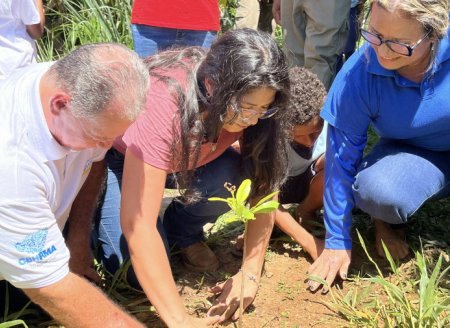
point(226, 304)
point(80, 263)
point(327, 266)
point(276, 11)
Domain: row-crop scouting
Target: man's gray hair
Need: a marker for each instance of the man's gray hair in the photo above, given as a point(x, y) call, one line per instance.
point(99, 75)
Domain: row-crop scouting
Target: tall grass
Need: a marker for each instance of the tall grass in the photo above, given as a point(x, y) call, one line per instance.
point(72, 23)
point(396, 300)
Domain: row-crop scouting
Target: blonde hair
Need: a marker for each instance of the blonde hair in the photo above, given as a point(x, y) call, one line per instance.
point(432, 14)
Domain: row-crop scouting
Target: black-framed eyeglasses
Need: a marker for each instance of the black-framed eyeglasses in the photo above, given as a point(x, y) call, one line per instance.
point(395, 46)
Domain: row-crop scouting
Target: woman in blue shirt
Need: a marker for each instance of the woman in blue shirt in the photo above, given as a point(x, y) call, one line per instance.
point(398, 83)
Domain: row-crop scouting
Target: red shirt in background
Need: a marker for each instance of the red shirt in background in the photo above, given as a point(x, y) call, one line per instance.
point(199, 15)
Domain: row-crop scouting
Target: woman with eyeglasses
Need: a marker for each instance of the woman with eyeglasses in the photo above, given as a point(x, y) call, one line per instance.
point(198, 106)
point(398, 83)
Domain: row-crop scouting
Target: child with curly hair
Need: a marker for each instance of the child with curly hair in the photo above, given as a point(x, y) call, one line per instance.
point(304, 184)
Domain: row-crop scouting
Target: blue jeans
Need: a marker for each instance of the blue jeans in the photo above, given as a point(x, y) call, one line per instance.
point(150, 39)
point(183, 224)
point(395, 179)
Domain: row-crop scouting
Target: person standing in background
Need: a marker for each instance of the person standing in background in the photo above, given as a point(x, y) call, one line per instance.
point(255, 14)
point(21, 22)
point(159, 25)
point(315, 33)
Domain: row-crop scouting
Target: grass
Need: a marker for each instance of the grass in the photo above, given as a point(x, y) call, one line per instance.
point(398, 299)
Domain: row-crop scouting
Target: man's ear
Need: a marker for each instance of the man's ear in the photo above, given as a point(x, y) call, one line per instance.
point(59, 102)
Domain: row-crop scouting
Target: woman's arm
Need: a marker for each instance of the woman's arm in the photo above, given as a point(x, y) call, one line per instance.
point(142, 192)
point(343, 155)
point(258, 235)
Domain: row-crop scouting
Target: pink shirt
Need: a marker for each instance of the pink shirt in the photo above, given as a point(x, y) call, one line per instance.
point(150, 137)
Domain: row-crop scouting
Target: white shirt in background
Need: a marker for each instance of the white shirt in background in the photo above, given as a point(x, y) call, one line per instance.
point(17, 48)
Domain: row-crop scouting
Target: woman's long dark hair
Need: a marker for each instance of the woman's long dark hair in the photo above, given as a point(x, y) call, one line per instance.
point(238, 62)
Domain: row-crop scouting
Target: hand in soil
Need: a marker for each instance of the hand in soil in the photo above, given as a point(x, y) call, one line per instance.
point(226, 304)
point(81, 264)
point(327, 266)
point(393, 239)
point(192, 322)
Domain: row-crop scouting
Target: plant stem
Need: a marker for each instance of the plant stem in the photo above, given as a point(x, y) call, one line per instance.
point(241, 299)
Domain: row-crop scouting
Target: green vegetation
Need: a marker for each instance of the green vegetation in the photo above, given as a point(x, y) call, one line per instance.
point(398, 300)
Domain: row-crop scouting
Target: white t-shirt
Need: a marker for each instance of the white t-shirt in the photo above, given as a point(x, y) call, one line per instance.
point(39, 180)
point(297, 164)
point(17, 48)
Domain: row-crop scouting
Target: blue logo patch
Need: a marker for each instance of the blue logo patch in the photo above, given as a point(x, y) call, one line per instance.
point(33, 243)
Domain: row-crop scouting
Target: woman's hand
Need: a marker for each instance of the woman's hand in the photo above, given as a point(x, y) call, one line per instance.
point(327, 266)
point(193, 322)
point(226, 304)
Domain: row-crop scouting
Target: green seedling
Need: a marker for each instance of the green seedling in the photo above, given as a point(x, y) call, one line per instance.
point(240, 210)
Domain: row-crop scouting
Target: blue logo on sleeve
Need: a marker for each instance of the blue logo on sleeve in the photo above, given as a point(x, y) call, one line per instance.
point(34, 244)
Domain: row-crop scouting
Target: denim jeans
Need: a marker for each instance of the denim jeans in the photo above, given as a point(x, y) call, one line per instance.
point(182, 223)
point(395, 179)
point(150, 39)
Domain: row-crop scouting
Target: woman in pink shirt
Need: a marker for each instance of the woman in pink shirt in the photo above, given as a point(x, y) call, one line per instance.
point(198, 106)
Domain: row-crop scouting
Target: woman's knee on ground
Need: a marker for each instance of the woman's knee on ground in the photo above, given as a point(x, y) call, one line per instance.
point(382, 200)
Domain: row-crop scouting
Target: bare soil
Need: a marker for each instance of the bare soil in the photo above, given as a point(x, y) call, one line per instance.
point(282, 300)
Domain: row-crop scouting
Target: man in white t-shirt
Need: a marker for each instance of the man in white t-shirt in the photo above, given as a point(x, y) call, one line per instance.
point(58, 120)
point(21, 22)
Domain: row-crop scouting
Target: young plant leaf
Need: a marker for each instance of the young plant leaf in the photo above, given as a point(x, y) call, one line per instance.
point(266, 207)
point(244, 191)
point(228, 217)
point(247, 215)
point(270, 196)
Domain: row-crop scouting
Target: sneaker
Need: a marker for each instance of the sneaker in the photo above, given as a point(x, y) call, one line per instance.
point(199, 257)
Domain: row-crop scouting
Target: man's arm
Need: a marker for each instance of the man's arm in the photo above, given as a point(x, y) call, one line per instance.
point(76, 303)
point(80, 223)
point(37, 30)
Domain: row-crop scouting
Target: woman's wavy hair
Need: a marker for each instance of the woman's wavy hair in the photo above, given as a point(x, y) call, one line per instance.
point(238, 62)
point(432, 14)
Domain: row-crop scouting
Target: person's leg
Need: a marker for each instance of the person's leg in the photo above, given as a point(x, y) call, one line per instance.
point(326, 35)
point(108, 236)
point(265, 16)
point(293, 21)
point(353, 28)
point(148, 40)
point(393, 182)
point(187, 38)
point(247, 14)
point(184, 223)
point(352, 38)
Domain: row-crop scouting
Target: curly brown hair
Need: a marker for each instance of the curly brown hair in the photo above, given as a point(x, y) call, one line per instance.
point(307, 95)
